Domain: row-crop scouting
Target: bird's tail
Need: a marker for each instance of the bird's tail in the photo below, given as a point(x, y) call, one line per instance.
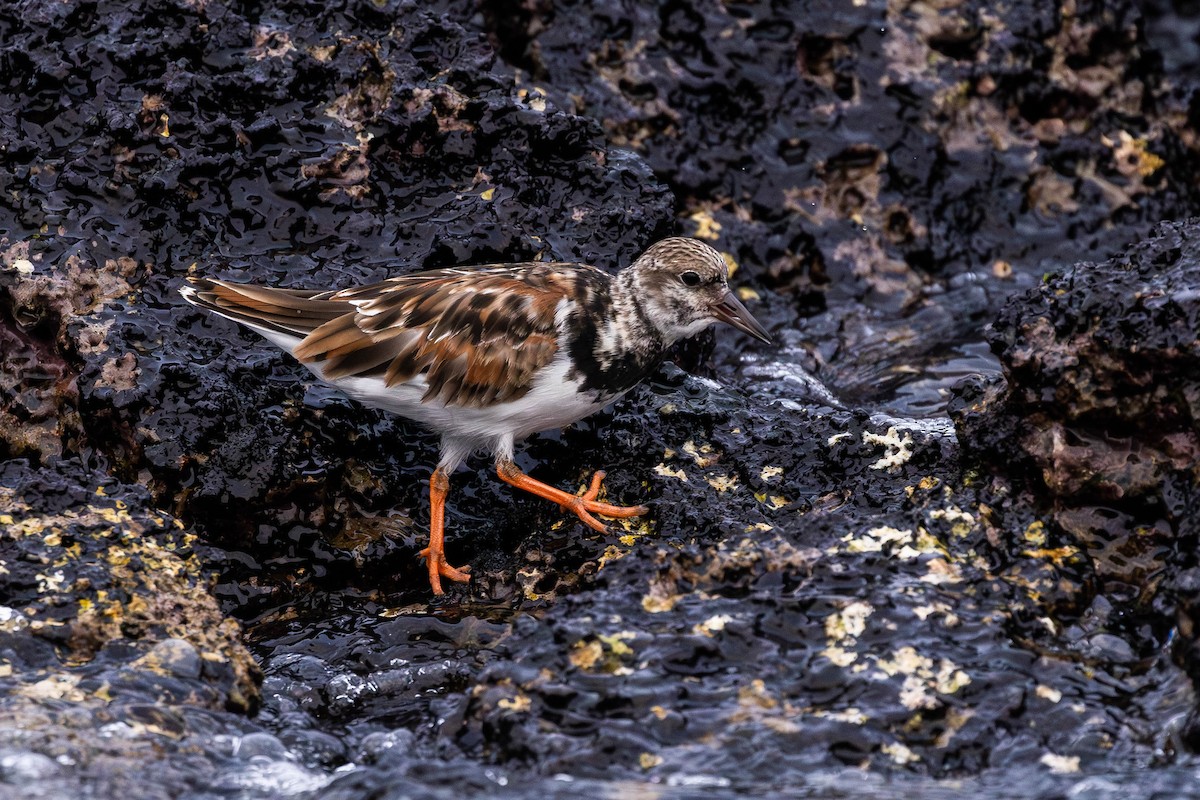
point(282, 312)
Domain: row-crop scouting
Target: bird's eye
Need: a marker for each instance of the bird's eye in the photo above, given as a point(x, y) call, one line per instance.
point(690, 278)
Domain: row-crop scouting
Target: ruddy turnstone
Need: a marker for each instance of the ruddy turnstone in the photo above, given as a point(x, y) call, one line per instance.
point(488, 355)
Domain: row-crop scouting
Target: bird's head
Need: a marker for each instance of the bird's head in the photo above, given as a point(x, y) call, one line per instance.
point(683, 287)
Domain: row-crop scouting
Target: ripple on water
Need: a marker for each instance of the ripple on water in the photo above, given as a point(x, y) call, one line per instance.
point(904, 388)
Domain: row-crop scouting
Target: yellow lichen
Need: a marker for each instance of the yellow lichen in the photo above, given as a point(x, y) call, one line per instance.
point(1062, 765)
point(702, 454)
point(723, 483)
point(905, 661)
point(519, 704)
point(603, 653)
point(873, 541)
point(770, 472)
point(655, 603)
point(712, 625)
point(774, 501)
point(839, 655)
point(586, 655)
point(667, 472)
point(898, 447)
point(921, 677)
point(851, 715)
point(900, 753)
point(611, 553)
point(730, 262)
point(850, 621)
point(616, 643)
point(941, 571)
point(961, 521)
point(1055, 555)
point(950, 678)
point(1048, 693)
point(1132, 155)
point(1035, 534)
point(706, 226)
point(755, 695)
point(55, 687)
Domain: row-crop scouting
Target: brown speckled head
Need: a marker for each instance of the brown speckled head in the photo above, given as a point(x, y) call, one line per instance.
point(683, 287)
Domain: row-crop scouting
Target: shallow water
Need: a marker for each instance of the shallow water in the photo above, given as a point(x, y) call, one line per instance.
point(355, 701)
point(900, 388)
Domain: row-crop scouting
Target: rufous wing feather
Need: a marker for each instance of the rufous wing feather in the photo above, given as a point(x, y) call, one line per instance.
point(477, 336)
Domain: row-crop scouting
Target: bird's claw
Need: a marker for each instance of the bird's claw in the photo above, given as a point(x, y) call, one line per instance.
point(584, 505)
point(444, 570)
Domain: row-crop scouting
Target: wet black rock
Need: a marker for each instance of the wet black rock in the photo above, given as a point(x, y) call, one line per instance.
point(1099, 411)
point(1097, 423)
point(813, 590)
point(1102, 365)
point(98, 581)
point(113, 650)
point(819, 588)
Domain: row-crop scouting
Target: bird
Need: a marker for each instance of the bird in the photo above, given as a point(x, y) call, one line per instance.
point(486, 356)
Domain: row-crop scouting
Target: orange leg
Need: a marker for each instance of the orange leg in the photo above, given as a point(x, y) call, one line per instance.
point(435, 554)
point(583, 505)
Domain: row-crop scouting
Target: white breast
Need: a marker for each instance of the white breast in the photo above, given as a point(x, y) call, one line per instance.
point(554, 401)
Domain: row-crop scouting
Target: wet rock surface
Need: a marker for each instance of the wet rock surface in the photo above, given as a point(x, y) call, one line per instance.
point(1100, 396)
point(836, 591)
point(113, 650)
point(1096, 421)
point(88, 564)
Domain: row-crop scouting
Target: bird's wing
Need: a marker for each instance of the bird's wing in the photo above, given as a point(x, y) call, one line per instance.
point(477, 336)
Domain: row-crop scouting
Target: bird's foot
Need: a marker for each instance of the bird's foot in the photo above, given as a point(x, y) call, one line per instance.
point(584, 505)
point(439, 568)
point(435, 554)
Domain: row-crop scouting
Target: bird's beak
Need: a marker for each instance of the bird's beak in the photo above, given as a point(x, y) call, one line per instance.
point(729, 309)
